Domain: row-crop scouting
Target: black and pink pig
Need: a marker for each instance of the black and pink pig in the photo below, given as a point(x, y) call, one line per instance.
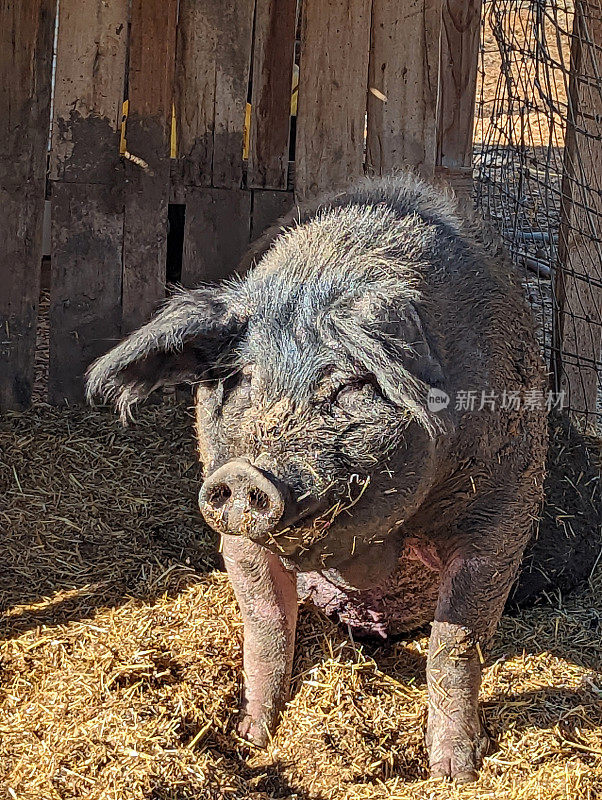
point(365, 418)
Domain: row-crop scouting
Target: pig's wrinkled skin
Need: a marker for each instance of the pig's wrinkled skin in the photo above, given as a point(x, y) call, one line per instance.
point(322, 459)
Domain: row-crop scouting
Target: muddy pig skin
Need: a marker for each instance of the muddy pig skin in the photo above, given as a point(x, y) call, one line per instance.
point(333, 466)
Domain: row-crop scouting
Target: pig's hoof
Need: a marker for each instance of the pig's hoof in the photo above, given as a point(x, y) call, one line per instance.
point(456, 756)
point(254, 730)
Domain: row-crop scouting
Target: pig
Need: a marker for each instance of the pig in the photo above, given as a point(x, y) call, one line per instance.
point(370, 416)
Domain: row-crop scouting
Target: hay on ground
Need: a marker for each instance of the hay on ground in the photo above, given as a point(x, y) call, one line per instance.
point(120, 656)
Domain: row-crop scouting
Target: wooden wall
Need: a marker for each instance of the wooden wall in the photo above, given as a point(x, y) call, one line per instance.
point(578, 278)
point(26, 31)
point(370, 86)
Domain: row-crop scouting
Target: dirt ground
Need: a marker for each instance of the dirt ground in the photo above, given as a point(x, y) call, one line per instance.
point(121, 649)
point(524, 98)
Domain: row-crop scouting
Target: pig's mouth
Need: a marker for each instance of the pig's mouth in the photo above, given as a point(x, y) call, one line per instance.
point(241, 499)
point(312, 520)
point(299, 518)
point(299, 513)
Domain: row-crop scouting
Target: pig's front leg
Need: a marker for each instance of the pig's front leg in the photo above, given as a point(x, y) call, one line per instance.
point(471, 599)
point(267, 595)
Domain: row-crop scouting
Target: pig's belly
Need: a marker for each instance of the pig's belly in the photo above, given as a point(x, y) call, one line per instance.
point(405, 601)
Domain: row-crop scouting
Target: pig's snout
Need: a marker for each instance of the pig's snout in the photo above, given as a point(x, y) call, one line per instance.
point(239, 499)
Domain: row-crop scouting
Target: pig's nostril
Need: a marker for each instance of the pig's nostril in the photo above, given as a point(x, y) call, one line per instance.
point(258, 500)
point(219, 495)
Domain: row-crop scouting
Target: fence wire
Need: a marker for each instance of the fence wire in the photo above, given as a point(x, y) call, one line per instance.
point(538, 170)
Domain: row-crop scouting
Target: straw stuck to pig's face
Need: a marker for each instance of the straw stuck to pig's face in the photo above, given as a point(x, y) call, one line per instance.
point(319, 416)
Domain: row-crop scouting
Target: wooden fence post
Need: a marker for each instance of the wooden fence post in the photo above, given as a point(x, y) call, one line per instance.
point(87, 191)
point(26, 34)
point(273, 58)
point(578, 282)
point(212, 75)
point(403, 84)
point(333, 83)
point(273, 54)
point(460, 37)
point(147, 168)
point(194, 92)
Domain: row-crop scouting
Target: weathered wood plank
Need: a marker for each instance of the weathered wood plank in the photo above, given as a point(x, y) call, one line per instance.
point(26, 34)
point(231, 89)
point(403, 81)
point(87, 197)
point(273, 55)
point(150, 94)
point(212, 78)
point(460, 36)
point(216, 233)
point(268, 207)
point(88, 95)
point(85, 312)
point(335, 44)
point(578, 290)
point(198, 26)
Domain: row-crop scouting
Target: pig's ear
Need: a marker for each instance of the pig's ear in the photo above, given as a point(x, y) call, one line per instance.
point(186, 341)
point(391, 344)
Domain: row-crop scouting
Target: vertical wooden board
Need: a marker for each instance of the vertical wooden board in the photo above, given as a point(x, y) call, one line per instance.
point(403, 82)
point(268, 207)
point(460, 39)
point(216, 233)
point(196, 56)
point(144, 246)
point(212, 78)
point(26, 34)
point(332, 94)
point(231, 90)
point(579, 275)
point(273, 56)
point(88, 95)
point(87, 191)
point(151, 69)
point(151, 74)
point(85, 313)
point(582, 325)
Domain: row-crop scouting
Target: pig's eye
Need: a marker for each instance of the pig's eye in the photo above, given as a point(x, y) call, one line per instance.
point(356, 391)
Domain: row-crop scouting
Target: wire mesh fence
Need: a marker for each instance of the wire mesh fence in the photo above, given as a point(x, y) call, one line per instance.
point(538, 170)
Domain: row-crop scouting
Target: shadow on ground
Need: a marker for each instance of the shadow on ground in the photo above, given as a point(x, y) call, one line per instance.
point(93, 514)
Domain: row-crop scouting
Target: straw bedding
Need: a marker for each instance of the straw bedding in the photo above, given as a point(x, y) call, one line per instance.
point(121, 649)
